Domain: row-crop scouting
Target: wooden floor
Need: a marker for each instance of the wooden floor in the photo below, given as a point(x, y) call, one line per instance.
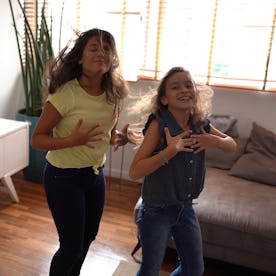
point(28, 237)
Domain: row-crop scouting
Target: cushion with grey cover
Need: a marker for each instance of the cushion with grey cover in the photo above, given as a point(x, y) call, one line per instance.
point(225, 160)
point(258, 163)
point(226, 124)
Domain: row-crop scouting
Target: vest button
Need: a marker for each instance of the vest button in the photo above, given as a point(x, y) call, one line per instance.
point(190, 178)
point(191, 161)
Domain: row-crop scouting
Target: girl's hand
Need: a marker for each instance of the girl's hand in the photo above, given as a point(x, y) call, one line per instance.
point(180, 142)
point(204, 140)
point(81, 136)
point(121, 137)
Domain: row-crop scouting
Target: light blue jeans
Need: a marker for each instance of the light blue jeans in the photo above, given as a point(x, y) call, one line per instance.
point(157, 224)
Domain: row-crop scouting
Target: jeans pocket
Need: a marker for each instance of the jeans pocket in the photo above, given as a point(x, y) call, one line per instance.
point(149, 210)
point(60, 176)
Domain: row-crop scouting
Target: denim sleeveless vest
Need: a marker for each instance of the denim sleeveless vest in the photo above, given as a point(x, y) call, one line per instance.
point(182, 179)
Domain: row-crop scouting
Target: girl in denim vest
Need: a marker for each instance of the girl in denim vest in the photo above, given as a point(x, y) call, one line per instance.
point(171, 159)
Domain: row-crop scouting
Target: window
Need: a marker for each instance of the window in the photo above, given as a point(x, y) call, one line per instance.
point(221, 42)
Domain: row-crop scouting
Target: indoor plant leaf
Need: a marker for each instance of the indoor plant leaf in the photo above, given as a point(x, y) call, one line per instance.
point(35, 50)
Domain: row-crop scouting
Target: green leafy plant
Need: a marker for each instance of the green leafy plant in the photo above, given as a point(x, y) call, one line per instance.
point(35, 51)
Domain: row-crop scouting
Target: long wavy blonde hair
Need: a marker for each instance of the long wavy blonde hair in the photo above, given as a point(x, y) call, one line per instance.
point(148, 103)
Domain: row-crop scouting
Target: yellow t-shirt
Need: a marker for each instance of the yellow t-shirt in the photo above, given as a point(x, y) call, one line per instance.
point(74, 103)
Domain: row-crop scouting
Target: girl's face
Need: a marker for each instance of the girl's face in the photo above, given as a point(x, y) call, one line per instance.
point(97, 57)
point(180, 91)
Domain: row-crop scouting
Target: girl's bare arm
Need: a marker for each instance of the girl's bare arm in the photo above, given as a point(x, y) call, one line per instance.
point(214, 139)
point(50, 117)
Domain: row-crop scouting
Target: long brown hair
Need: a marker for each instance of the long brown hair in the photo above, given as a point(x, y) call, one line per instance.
point(66, 67)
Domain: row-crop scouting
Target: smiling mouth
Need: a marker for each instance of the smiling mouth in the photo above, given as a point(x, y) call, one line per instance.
point(184, 98)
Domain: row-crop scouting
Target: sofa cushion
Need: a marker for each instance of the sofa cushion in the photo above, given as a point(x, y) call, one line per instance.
point(225, 123)
point(258, 163)
point(237, 213)
point(225, 160)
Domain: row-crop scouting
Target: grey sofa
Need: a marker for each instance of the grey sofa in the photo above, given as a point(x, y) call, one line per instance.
point(237, 208)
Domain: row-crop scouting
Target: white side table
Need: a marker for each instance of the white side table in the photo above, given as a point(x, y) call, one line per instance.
point(14, 152)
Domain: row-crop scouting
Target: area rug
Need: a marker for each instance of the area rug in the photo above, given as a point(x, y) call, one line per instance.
point(130, 269)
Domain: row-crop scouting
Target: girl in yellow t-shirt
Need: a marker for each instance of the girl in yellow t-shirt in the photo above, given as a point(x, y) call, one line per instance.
point(76, 127)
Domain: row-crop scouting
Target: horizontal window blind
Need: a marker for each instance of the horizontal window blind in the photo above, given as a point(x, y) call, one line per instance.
point(243, 43)
point(221, 42)
point(226, 43)
point(33, 12)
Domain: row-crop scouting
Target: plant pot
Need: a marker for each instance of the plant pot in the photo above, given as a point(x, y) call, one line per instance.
point(34, 172)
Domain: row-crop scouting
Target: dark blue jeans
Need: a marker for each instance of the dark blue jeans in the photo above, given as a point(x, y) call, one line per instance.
point(76, 200)
point(157, 224)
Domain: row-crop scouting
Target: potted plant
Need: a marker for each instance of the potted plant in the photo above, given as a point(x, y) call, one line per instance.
point(35, 51)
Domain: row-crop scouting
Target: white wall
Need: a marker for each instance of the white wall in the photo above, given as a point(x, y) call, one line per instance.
point(11, 96)
point(246, 106)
